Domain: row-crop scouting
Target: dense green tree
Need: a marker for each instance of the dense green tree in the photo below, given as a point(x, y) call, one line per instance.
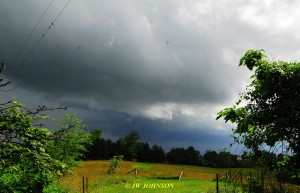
point(129, 145)
point(144, 153)
point(193, 156)
point(246, 160)
point(24, 164)
point(210, 158)
point(188, 156)
point(269, 159)
point(176, 156)
point(267, 114)
point(158, 154)
point(93, 150)
point(68, 142)
point(226, 160)
point(111, 149)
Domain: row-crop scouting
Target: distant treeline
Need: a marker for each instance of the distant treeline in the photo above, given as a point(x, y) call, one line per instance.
point(133, 149)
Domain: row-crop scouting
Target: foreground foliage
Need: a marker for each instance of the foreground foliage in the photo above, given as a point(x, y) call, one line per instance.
point(25, 165)
point(68, 143)
point(270, 118)
point(114, 163)
point(31, 156)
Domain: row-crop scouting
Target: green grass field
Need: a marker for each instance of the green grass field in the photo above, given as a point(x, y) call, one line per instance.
point(136, 177)
point(150, 178)
point(148, 185)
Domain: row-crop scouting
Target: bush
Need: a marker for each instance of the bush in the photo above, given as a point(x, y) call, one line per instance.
point(114, 163)
point(253, 185)
point(55, 188)
point(24, 164)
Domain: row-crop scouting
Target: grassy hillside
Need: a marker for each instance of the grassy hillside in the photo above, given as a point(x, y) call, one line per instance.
point(149, 178)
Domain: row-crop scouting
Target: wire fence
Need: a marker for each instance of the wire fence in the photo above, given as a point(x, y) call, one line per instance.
point(84, 178)
point(155, 173)
point(252, 182)
point(248, 180)
point(171, 174)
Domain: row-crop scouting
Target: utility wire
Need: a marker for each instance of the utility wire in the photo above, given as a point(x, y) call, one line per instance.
point(61, 11)
point(29, 36)
point(20, 65)
point(43, 35)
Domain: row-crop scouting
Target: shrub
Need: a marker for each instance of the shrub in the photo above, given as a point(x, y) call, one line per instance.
point(114, 163)
point(24, 164)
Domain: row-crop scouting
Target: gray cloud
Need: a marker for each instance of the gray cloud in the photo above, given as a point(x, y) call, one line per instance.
point(138, 65)
point(174, 61)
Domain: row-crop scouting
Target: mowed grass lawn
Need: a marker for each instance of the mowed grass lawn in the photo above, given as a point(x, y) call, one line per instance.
point(149, 178)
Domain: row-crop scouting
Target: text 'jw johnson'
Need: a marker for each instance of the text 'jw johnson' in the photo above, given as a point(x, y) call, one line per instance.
point(150, 185)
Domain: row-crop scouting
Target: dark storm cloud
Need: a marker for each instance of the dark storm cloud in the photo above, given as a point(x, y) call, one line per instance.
point(118, 64)
point(151, 61)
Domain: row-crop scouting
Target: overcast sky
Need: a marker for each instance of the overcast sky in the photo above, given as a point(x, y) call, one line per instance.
point(161, 67)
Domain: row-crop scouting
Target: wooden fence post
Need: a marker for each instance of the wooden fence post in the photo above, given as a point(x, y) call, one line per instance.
point(280, 178)
point(87, 185)
point(217, 186)
point(82, 184)
point(180, 174)
point(262, 179)
point(241, 177)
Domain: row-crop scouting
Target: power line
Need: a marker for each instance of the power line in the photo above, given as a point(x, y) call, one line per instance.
point(43, 35)
point(61, 11)
point(20, 65)
point(29, 36)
